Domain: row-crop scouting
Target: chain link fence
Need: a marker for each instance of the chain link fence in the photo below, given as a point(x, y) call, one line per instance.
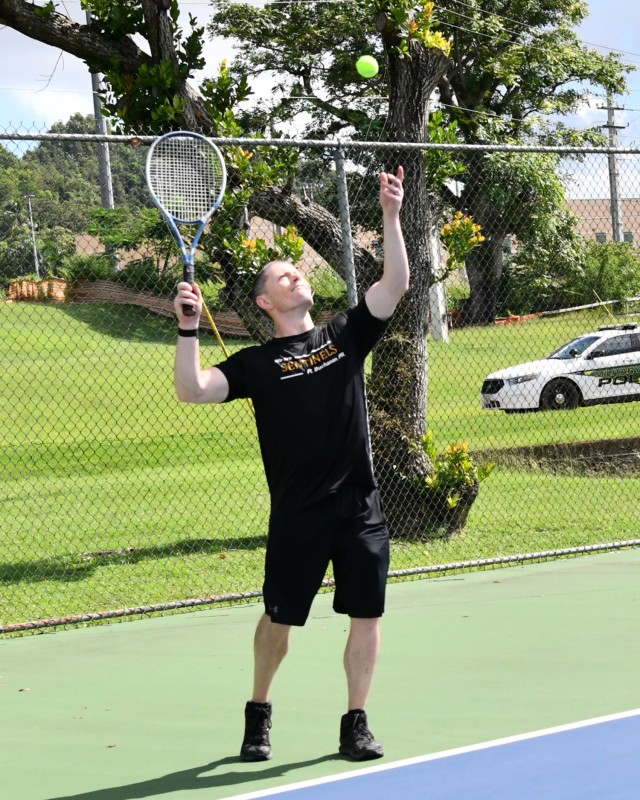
point(501, 398)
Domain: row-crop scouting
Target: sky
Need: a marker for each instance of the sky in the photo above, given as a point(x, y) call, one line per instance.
point(40, 85)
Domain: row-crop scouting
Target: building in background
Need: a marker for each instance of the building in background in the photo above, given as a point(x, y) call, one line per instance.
point(594, 219)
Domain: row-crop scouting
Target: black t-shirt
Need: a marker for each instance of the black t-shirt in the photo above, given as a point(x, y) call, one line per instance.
point(311, 413)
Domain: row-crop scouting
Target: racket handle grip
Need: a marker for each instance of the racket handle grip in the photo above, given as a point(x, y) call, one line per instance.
point(188, 276)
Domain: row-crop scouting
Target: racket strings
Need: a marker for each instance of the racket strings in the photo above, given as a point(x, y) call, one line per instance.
point(187, 177)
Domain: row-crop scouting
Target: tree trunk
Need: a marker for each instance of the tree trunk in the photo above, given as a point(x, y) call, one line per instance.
point(484, 269)
point(398, 382)
point(484, 264)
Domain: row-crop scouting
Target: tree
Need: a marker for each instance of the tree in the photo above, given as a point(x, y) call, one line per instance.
point(66, 174)
point(61, 179)
point(517, 68)
point(518, 195)
point(9, 191)
point(148, 88)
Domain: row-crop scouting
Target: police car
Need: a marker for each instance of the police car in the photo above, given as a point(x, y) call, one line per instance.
point(600, 367)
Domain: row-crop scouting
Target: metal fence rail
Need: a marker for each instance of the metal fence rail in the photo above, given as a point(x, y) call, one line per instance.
point(119, 501)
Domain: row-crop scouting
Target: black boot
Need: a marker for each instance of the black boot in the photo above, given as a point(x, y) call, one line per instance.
point(356, 740)
point(257, 722)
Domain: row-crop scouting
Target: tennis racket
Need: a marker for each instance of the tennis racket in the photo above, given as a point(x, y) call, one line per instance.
point(187, 178)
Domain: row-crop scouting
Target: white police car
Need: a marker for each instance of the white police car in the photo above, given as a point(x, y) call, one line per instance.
point(600, 367)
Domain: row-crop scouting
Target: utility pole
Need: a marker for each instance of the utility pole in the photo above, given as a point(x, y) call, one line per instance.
point(104, 159)
point(36, 263)
point(614, 178)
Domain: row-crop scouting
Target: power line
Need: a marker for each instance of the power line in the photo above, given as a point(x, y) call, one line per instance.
point(493, 38)
point(531, 28)
point(482, 12)
point(445, 23)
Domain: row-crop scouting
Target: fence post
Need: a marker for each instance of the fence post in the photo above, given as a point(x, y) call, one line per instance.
point(104, 158)
point(345, 226)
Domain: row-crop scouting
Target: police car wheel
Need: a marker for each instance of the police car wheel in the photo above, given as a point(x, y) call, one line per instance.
point(560, 395)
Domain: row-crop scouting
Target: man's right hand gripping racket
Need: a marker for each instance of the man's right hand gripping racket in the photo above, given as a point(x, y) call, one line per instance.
point(187, 178)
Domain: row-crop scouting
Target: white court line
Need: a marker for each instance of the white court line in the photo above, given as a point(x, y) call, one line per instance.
point(456, 751)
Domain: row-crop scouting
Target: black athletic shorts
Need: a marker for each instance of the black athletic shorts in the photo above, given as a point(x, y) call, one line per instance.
point(348, 529)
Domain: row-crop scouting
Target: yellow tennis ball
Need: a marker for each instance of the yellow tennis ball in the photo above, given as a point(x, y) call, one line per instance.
point(367, 66)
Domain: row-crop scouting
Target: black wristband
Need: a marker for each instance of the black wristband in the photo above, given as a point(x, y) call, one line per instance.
point(190, 333)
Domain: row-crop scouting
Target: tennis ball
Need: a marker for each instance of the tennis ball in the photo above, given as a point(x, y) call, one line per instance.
point(367, 66)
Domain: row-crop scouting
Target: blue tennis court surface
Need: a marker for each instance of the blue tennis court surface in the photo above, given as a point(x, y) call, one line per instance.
point(593, 760)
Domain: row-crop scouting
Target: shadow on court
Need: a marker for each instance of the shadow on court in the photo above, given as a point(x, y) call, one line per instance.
point(197, 778)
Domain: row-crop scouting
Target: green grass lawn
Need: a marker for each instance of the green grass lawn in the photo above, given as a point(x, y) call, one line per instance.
point(114, 494)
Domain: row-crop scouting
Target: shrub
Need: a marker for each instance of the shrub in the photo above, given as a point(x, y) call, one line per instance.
point(54, 245)
point(611, 271)
point(596, 271)
point(143, 276)
point(453, 470)
point(456, 295)
point(90, 268)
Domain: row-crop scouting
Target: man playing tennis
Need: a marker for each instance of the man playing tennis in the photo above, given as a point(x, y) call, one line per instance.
point(307, 387)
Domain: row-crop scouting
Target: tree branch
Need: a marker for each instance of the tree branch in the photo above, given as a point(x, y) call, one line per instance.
point(317, 226)
point(100, 51)
point(82, 41)
point(346, 115)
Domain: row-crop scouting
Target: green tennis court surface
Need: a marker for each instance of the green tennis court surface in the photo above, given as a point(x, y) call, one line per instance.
point(155, 708)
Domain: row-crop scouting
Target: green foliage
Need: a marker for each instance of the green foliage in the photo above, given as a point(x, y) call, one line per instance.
point(453, 469)
point(45, 11)
point(90, 268)
point(504, 85)
point(115, 17)
point(251, 255)
point(54, 247)
point(223, 95)
point(456, 295)
point(63, 178)
point(413, 20)
point(154, 93)
point(441, 165)
point(211, 290)
point(119, 229)
point(311, 50)
point(611, 271)
point(460, 236)
point(543, 282)
point(521, 195)
point(329, 289)
point(16, 252)
point(143, 275)
point(522, 79)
